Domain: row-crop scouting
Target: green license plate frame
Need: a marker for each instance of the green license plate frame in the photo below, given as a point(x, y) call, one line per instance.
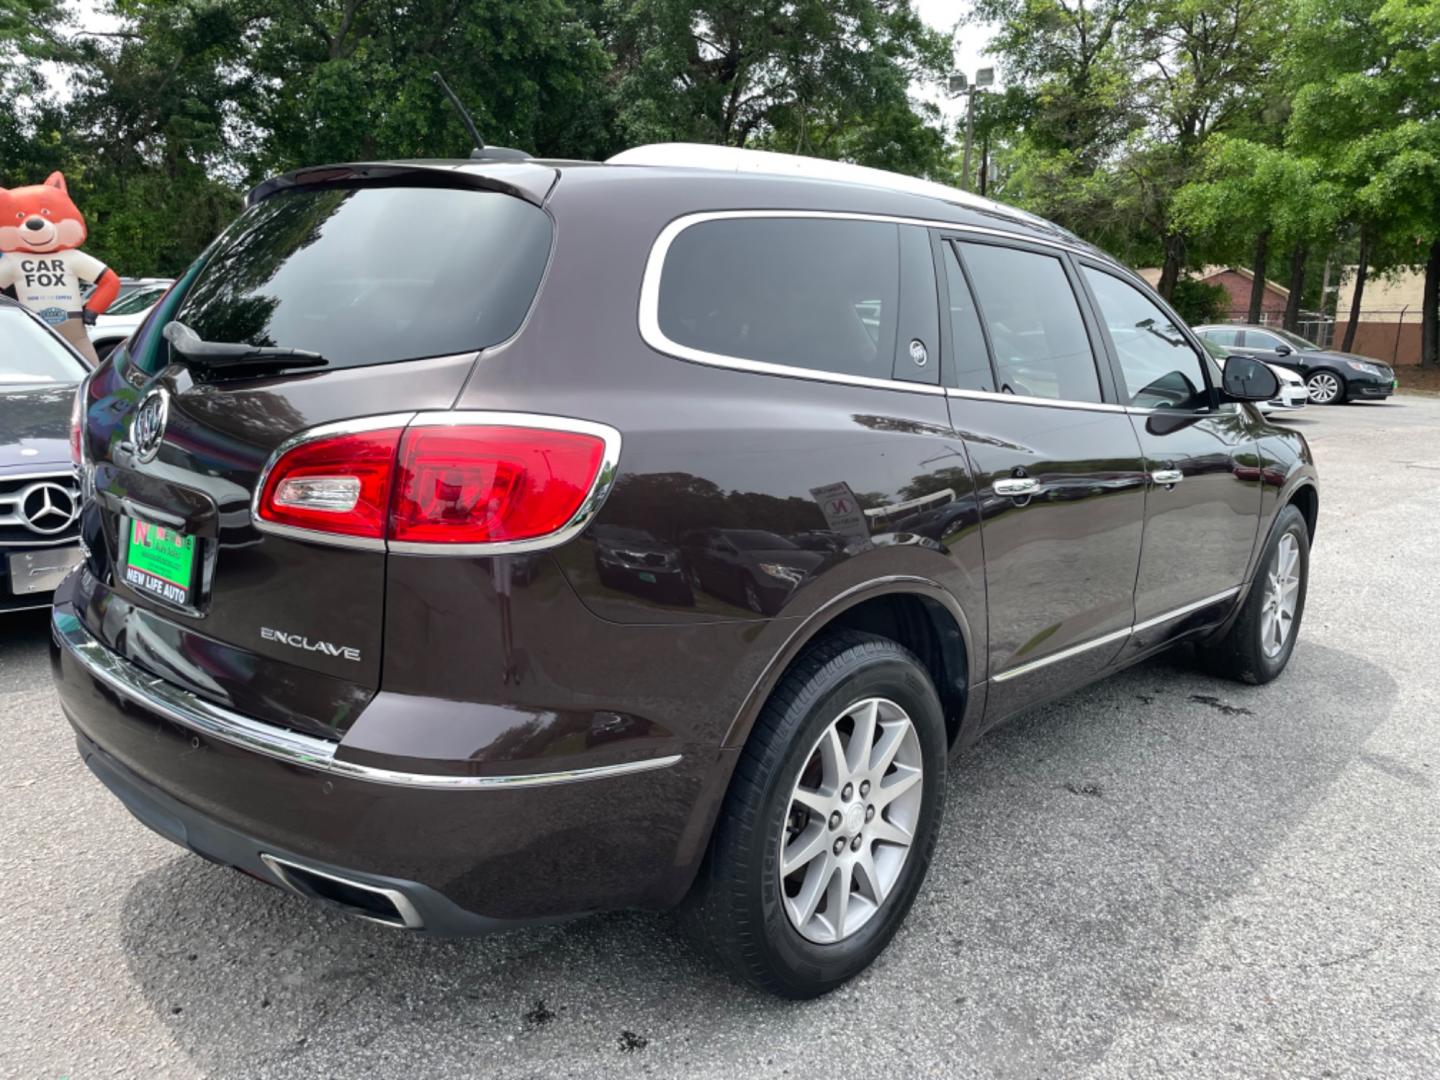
point(158, 561)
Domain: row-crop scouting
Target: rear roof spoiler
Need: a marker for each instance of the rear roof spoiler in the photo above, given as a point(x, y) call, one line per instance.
point(522, 179)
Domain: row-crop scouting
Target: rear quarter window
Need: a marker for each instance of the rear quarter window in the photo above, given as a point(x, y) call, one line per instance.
point(370, 275)
point(820, 294)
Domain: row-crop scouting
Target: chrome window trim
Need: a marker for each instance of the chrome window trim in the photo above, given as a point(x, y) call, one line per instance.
point(306, 751)
point(589, 506)
point(1054, 403)
point(1112, 636)
point(649, 318)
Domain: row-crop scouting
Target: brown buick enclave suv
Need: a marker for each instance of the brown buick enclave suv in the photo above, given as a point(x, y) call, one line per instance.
point(472, 543)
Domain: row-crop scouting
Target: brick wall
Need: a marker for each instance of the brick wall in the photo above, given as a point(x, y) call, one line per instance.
point(1394, 342)
point(1238, 286)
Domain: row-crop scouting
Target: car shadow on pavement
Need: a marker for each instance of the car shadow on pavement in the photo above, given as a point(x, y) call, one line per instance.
point(1086, 846)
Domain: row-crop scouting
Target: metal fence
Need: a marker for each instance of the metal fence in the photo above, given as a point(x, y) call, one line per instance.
point(1391, 334)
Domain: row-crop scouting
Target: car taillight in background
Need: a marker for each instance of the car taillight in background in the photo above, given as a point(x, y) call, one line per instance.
point(458, 482)
point(77, 424)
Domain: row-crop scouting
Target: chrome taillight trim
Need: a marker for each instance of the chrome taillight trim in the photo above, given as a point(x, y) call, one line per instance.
point(306, 751)
point(589, 506)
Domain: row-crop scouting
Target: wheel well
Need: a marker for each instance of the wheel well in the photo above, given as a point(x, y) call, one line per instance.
point(929, 631)
point(1307, 500)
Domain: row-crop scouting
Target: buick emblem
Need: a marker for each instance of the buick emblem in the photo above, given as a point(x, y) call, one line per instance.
point(147, 429)
point(48, 508)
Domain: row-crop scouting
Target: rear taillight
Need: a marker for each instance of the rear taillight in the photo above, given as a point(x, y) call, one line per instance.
point(338, 484)
point(454, 481)
point(483, 484)
point(77, 425)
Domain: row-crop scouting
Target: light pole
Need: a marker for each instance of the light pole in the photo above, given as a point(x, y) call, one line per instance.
point(959, 83)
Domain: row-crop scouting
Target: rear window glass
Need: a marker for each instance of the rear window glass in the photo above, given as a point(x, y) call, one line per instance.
point(817, 294)
point(374, 274)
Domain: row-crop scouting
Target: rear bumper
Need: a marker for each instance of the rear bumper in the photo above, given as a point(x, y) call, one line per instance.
point(471, 853)
point(414, 905)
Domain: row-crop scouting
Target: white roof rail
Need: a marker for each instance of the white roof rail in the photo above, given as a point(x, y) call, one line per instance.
point(735, 159)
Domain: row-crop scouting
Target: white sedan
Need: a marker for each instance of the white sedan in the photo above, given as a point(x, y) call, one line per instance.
point(125, 315)
point(1293, 394)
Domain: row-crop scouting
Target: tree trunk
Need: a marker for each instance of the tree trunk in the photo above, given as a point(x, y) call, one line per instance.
point(1257, 282)
point(1360, 272)
point(1430, 309)
point(1297, 286)
point(1170, 270)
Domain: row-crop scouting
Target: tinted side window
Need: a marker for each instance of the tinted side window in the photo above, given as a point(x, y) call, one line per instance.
point(1036, 330)
point(1226, 337)
point(1161, 370)
point(967, 341)
point(810, 293)
point(1257, 339)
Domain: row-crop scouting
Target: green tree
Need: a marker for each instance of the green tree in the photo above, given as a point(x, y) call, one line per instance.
point(829, 78)
point(1250, 193)
point(1368, 100)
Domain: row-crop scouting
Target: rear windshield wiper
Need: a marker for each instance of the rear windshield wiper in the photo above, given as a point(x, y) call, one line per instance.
point(234, 354)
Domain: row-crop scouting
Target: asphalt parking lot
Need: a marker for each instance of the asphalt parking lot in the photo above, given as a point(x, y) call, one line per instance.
point(1160, 875)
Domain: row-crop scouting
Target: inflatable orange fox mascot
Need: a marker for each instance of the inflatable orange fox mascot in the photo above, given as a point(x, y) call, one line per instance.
point(40, 235)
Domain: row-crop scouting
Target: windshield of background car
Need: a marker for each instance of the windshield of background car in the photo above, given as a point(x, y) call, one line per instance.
point(136, 302)
point(372, 275)
point(1295, 341)
point(30, 355)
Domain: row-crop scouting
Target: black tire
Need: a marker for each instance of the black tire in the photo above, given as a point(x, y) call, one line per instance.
point(735, 909)
point(1240, 654)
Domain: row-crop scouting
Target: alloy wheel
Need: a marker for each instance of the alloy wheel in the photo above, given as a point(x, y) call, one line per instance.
point(851, 819)
point(1323, 387)
point(1282, 591)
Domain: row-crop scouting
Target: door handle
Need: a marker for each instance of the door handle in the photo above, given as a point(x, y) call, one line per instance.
point(1017, 487)
point(1167, 477)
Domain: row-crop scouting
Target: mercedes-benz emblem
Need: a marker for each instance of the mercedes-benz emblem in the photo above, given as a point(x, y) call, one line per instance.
point(48, 508)
point(147, 429)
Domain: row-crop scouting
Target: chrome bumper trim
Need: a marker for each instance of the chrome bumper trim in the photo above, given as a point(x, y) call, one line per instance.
point(223, 725)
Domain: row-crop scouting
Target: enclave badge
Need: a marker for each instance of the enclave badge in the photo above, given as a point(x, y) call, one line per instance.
point(147, 429)
point(298, 641)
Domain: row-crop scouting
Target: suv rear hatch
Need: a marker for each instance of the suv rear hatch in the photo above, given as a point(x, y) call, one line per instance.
point(397, 276)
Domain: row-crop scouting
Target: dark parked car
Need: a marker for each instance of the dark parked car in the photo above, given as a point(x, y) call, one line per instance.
point(39, 495)
point(749, 567)
point(1331, 377)
point(635, 561)
point(299, 644)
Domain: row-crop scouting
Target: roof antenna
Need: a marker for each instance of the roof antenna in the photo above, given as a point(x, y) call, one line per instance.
point(481, 151)
point(465, 116)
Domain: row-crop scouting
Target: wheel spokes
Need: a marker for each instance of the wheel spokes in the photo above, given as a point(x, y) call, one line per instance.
point(862, 737)
point(865, 765)
point(805, 847)
point(902, 780)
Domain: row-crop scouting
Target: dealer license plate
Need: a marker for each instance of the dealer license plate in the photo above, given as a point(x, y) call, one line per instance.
point(158, 561)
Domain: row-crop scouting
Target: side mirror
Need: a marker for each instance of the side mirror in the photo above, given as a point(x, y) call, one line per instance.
point(1283, 350)
point(1248, 379)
